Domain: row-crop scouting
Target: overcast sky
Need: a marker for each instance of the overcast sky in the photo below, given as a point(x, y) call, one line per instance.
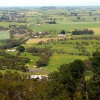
point(49, 2)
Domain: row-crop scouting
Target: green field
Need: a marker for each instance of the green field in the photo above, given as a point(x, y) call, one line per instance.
point(36, 20)
point(70, 52)
point(65, 26)
point(1, 43)
point(4, 35)
point(6, 24)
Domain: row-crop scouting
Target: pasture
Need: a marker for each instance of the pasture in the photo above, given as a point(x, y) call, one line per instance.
point(66, 19)
point(65, 26)
point(1, 43)
point(67, 51)
point(4, 35)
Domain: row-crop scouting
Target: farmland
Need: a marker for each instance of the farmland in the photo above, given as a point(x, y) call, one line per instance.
point(50, 53)
point(4, 35)
point(66, 26)
point(67, 51)
point(39, 20)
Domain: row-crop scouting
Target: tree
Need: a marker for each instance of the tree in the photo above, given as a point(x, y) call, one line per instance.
point(20, 48)
point(77, 69)
point(94, 82)
point(63, 32)
point(90, 13)
point(1, 76)
point(78, 17)
point(95, 60)
point(95, 19)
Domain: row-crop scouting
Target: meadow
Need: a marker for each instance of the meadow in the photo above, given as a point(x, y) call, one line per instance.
point(1, 43)
point(66, 51)
point(4, 35)
point(66, 26)
point(65, 20)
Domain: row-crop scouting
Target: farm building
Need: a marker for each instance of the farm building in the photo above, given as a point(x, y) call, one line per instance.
point(4, 35)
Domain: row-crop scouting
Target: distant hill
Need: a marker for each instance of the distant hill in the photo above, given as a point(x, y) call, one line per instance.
point(48, 7)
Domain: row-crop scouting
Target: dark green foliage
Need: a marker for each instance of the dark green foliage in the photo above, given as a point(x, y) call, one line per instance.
point(63, 32)
point(20, 48)
point(81, 32)
point(77, 69)
point(78, 17)
point(94, 82)
point(95, 60)
point(68, 83)
point(44, 53)
point(13, 43)
point(52, 22)
point(8, 61)
point(1, 75)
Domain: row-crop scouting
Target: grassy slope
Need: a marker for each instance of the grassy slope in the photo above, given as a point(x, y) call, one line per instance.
point(4, 35)
point(57, 59)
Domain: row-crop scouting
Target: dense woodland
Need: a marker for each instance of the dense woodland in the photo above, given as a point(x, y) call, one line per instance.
point(66, 84)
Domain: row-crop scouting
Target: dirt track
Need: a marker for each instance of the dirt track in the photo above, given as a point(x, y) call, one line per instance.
point(40, 39)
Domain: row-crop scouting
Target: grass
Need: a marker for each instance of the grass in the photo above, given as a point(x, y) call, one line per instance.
point(6, 24)
point(57, 59)
point(88, 75)
point(69, 23)
point(65, 26)
point(32, 58)
point(1, 43)
point(4, 35)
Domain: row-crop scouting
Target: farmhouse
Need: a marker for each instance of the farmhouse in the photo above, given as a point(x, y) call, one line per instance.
point(38, 76)
point(11, 50)
point(62, 35)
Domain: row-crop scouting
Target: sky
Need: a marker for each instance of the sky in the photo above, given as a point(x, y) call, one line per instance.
point(50, 3)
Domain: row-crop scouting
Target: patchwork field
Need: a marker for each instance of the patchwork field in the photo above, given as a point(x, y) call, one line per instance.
point(66, 19)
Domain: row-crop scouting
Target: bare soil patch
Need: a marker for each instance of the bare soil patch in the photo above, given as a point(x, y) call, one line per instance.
point(37, 40)
point(96, 30)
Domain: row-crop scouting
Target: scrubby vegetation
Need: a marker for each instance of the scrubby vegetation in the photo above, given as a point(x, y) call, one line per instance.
point(67, 84)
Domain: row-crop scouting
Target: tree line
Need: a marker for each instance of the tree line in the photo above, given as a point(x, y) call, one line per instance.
point(12, 43)
point(82, 32)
